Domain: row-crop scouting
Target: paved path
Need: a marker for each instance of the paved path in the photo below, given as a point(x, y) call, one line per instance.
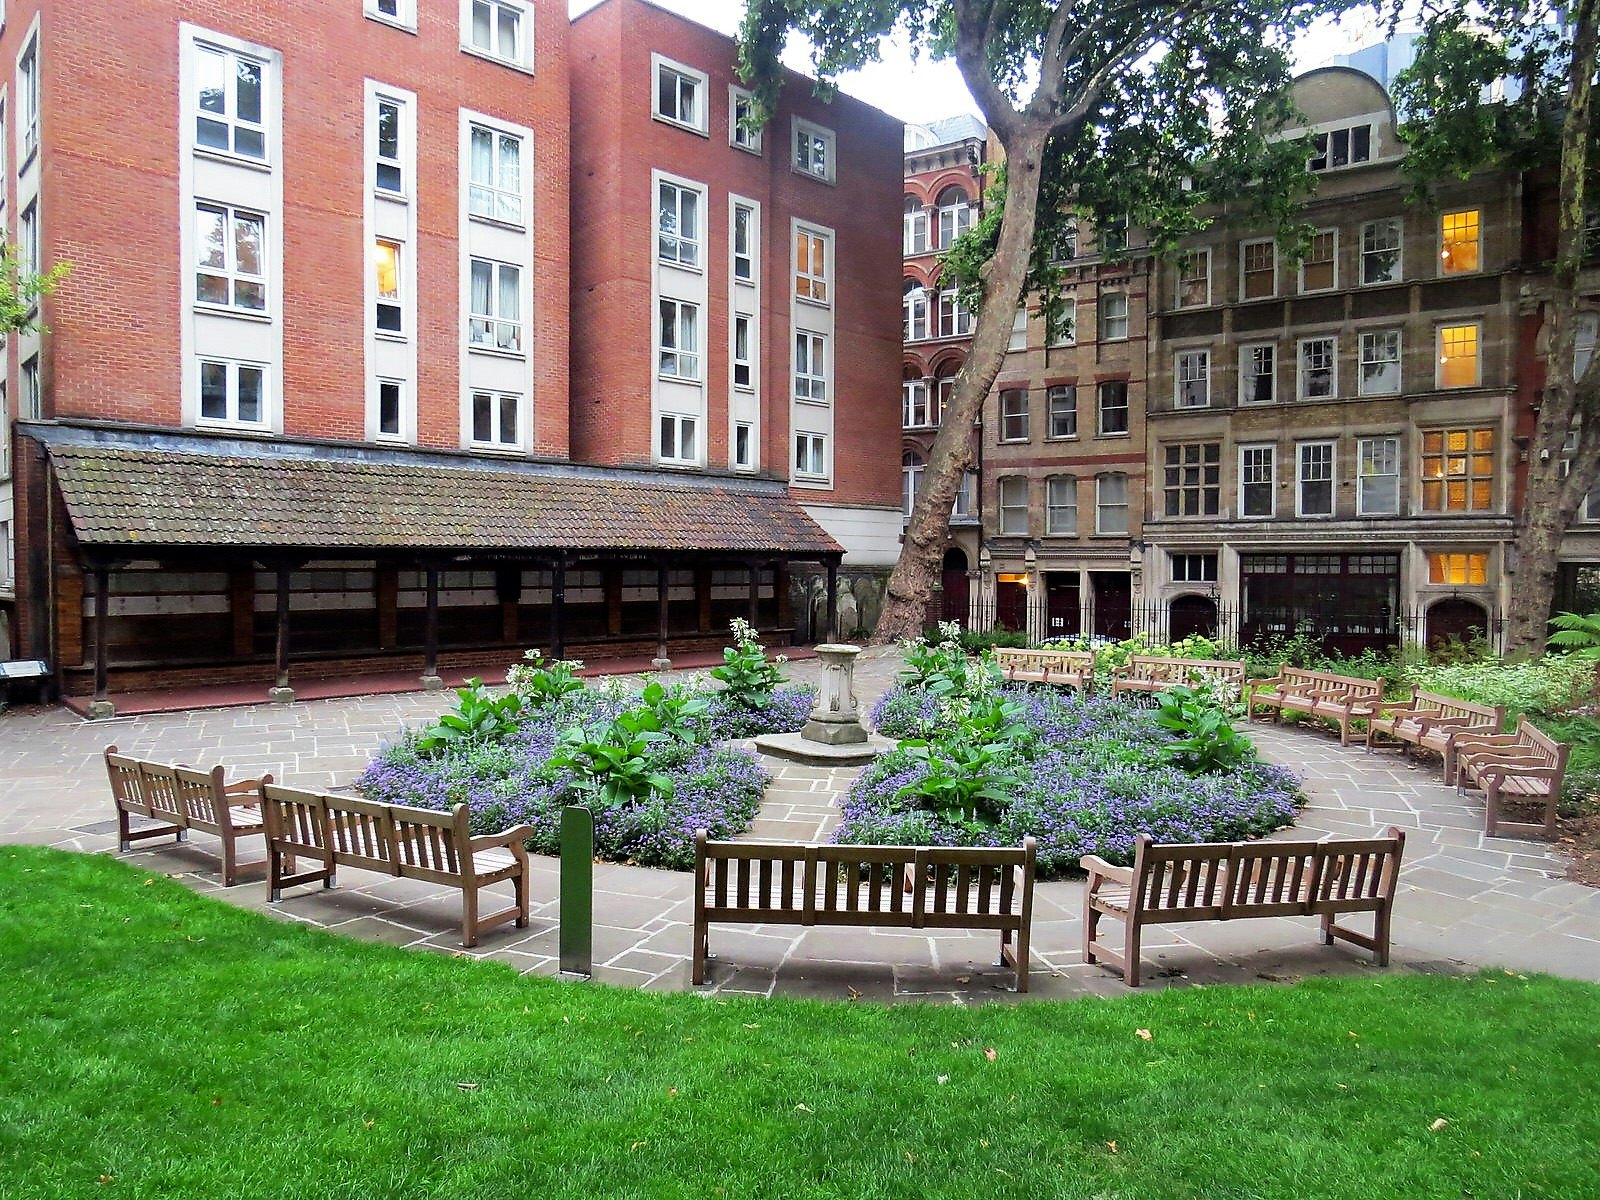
point(1465, 899)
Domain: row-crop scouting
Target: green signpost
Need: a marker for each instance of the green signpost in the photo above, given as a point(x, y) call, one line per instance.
point(577, 891)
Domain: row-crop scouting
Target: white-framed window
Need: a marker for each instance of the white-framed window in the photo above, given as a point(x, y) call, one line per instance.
point(1258, 269)
point(744, 362)
point(1380, 363)
point(1258, 373)
point(680, 95)
point(1192, 375)
point(1114, 317)
point(1319, 368)
point(496, 419)
point(914, 227)
point(1019, 329)
point(495, 321)
point(1065, 248)
point(1014, 505)
point(1194, 278)
point(32, 389)
point(741, 135)
point(1460, 241)
point(1111, 503)
point(911, 468)
point(231, 249)
point(1014, 415)
point(1460, 360)
point(678, 340)
point(1381, 242)
point(744, 446)
point(811, 455)
point(230, 102)
point(1258, 481)
point(678, 224)
point(389, 313)
point(1319, 269)
point(402, 13)
point(914, 311)
point(28, 102)
point(391, 408)
point(1314, 479)
point(1341, 147)
point(388, 165)
point(1191, 480)
point(744, 243)
point(955, 318)
point(499, 29)
point(1586, 334)
point(962, 508)
point(810, 367)
point(955, 215)
point(914, 404)
point(233, 393)
point(494, 191)
point(1062, 400)
point(811, 265)
point(1112, 395)
point(1061, 504)
point(1064, 330)
point(678, 439)
point(1378, 476)
point(944, 391)
point(28, 251)
point(814, 150)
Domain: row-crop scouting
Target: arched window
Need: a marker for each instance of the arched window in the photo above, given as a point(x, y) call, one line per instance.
point(916, 226)
point(955, 215)
point(911, 468)
point(914, 309)
point(944, 388)
point(914, 400)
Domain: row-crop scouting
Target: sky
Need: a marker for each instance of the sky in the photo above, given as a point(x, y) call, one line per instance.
point(918, 91)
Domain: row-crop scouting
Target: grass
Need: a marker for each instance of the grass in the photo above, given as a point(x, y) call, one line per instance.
point(157, 1043)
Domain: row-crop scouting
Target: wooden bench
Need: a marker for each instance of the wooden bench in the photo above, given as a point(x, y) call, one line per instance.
point(1071, 668)
point(1433, 722)
point(412, 843)
point(1149, 673)
point(1342, 699)
point(900, 887)
point(180, 799)
point(1228, 881)
point(1524, 767)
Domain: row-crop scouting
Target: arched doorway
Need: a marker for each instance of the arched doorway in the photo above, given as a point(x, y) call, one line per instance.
point(1192, 615)
point(1456, 619)
point(956, 586)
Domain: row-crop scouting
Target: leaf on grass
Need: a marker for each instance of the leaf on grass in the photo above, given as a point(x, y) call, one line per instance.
point(368, 1124)
point(636, 1145)
point(1438, 1124)
point(963, 978)
point(672, 1091)
point(749, 1025)
point(105, 1179)
point(466, 1087)
point(943, 1079)
point(1144, 1035)
point(991, 1054)
point(1111, 1146)
point(803, 1108)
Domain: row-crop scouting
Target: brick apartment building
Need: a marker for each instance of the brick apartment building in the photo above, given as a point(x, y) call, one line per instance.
point(354, 370)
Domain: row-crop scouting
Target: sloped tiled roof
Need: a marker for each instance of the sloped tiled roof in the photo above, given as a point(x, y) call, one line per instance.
point(118, 496)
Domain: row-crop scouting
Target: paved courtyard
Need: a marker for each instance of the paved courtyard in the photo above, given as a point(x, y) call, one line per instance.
point(1465, 900)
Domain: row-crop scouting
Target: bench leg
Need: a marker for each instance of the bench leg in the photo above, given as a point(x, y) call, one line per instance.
point(1380, 936)
point(521, 884)
point(469, 915)
point(1020, 959)
point(701, 951)
point(230, 863)
point(1091, 928)
point(1130, 970)
point(1327, 929)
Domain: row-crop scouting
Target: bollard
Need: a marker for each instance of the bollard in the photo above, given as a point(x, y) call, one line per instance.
point(577, 891)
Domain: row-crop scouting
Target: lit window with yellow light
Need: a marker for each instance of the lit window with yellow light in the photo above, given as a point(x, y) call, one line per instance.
point(386, 284)
point(1459, 364)
point(1460, 241)
point(1458, 469)
point(1458, 568)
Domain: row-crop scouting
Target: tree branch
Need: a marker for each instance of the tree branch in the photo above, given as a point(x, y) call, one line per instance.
point(974, 23)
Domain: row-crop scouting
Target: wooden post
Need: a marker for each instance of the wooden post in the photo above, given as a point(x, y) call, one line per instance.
point(558, 598)
point(430, 633)
point(664, 618)
point(281, 691)
point(755, 596)
point(101, 706)
point(832, 630)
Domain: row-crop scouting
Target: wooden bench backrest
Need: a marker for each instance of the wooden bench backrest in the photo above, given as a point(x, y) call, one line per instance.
point(200, 794)
point(162, 791)
point(1067, 661)
point(361, 834)
point(296, 821)
point(127, 782)
point(1180, 670)
point(432, 845)
point(1553, 753)
point(1448, 706)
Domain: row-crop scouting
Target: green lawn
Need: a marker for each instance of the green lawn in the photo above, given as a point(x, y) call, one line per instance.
point(161, 1044)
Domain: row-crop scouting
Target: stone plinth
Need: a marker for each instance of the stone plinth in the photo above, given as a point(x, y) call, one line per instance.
point(836, 720)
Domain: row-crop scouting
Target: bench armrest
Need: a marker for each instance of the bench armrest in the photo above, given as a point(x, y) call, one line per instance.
point(506, 837)
point(242, 786)
point(1489, 741)
point(1499, 770)
point(1099, 867)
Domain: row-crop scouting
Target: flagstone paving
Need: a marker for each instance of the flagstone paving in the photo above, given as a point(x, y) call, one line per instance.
point(1466, 900)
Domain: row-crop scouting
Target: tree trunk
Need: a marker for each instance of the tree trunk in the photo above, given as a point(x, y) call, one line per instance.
point(911, 585)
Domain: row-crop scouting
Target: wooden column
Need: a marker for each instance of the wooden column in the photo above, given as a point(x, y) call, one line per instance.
point(430, 632)
point(558, 599)
point(702, 589)
point(832, 630)
point(780, 594)
point(508, 590)
point(101, 706)
point(281, 690)
point(387, 586)
point(664, 618)
point(242, 610)
point(755, 596)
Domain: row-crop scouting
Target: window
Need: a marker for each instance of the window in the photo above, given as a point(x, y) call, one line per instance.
point(389, 314)
point(1380, 363)
point(28, 102)
point(744, 230)
point(955, 318)
point(811, 266)
point(680, 95)
point(1014, 505)
point(1111, 503)
point(1192, 372)
point(811, 368)
point(1380, 251)
point(1459, 364)
point(1458, 568)
point(1066, 243)
point(1114, 236)
point(911, 469)
point(1194, 279)
point(1586, 333)
point(677, 224)
point(1457, 470)
point(914, 404)
point(813, 150)
point(679, 340)
point(915, 227)
point(743, 351)
point(28, 239)
point(744, 446)
point(495, 190)
point(1019, 329)
point(498, 30)
point(1193, 479)
point(811, 455)
point(1063, 406)
point(388, 171)
point(1341, 147)
point(962, 508)
point(914, 311)
point(741, 133)
point(1194, 568)
point(955, 216)
point(1319, 269)
point(1315, 492)
point(1014, 415)
point(229, 104)
point(1258, 481)
point(1063, 330)
point(1459, 242)
point(1113, 407)
point(943, 392)
point(496, 317)
point(1319, 361)
point(1258, 373)
point(1114, 316)
point(679, 439)
point(230, 243)
point(32, 391)
point(1258, 270)
point(232, 393)
point(389, 397)
point(1061, 504)
point(1378, 477)
point(393, 12)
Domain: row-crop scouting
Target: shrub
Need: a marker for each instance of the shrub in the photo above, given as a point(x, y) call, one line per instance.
point(542, 683)
point(1204, 741)
point(786, 711)
point(994, 639)
point(1536, 686)
point(748, 677)
point(477, 717)
point(942, 668)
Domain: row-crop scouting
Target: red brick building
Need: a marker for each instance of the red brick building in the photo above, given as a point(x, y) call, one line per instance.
point(330, 252)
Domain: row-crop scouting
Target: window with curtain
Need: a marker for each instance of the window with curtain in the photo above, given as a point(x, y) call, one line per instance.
point(496, 303)
point(495, 190)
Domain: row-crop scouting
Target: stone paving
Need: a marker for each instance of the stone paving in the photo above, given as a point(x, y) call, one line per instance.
point(1466, 900)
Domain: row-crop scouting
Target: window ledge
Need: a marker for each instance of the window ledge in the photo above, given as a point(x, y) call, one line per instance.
point(754, 150)
point(389, 335)
point(392, 22)
point(691, 380)
point(235, 427)
point(392, 439)
point(497, 450)
point(474, 52)
point(498, 222)
point(235, 314)
point(828, 180)
point(379, 193)
point(686, 268)
point(233, 160)
point(807, 300)
point(494, 351)
point(677, 124)
point(1062, 437)
point(810, 402)
point(1113, 436)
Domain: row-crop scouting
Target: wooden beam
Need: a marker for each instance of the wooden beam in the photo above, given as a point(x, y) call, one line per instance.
point(102, 610)
point(430, 632)
point(755, 595)
point(282, 691)
point(664, 615)
point(558, 599)
point(832, 631)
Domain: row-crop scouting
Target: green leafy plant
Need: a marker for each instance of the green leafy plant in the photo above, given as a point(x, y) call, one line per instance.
point(612, 762)
point(943, 668)
point(1579, 634)
point(964, 781)
point(1204, 740)
point(747, 675)
point(542, 682)
point(477, 717)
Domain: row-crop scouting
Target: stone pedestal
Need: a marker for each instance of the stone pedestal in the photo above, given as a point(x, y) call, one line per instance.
point(101, 710)
point(836, 720)
point(661, 664)
point(281, 695)
point(432, 683)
